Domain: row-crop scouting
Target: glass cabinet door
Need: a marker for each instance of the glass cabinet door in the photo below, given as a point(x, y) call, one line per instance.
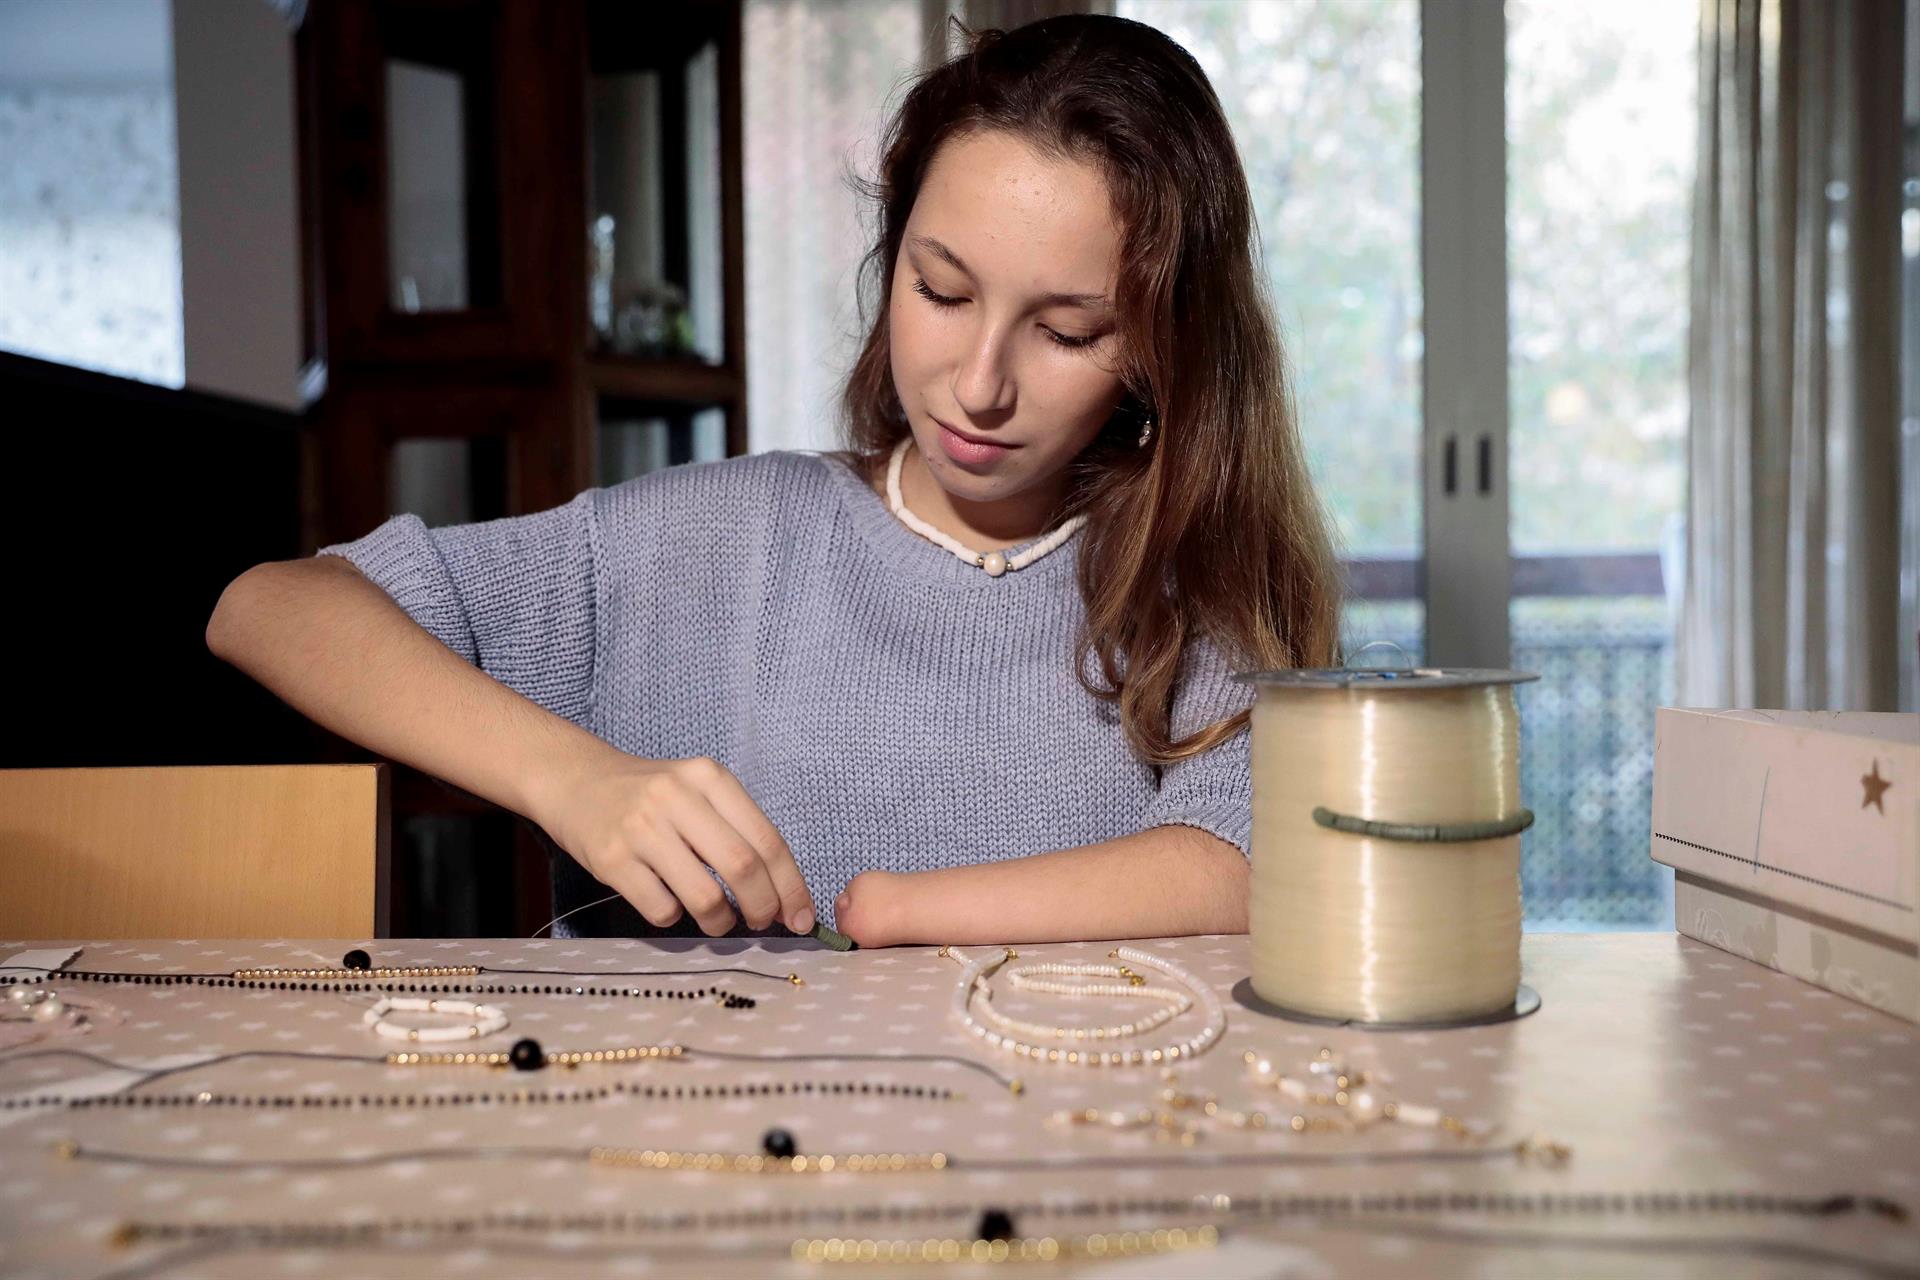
point(442, 193)
point(655, 224)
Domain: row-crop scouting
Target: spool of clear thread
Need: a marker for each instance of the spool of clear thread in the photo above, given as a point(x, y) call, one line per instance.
point(1366, 929)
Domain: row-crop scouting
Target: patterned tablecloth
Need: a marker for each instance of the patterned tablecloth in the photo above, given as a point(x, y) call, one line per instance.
point(1666, 1065)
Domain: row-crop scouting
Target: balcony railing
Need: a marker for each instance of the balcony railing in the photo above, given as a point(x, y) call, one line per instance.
point(1593, 573)
point(1595, 628)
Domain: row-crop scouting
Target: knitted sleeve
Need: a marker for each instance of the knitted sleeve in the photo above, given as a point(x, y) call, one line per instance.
point(515, 597)
point(1214, 791)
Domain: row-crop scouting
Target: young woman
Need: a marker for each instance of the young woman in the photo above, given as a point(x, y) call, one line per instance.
point(964, 681)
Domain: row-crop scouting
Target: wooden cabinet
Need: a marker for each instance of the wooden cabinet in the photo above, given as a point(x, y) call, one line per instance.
point(524, 263)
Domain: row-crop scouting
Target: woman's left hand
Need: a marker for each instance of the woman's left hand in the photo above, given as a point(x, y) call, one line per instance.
point(867, 910)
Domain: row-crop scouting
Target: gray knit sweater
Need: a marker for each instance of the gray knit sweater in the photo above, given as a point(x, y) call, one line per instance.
point(885, 704)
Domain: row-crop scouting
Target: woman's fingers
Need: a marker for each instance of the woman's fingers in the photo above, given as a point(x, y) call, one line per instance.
point(635, 882)
point(687, 876)
point(731, 802)
point(715, 841)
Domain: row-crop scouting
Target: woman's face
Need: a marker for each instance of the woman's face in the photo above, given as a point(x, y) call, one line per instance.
point(996, 233)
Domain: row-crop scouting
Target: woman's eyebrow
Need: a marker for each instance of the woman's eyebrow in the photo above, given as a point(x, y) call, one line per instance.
point(1089, 301)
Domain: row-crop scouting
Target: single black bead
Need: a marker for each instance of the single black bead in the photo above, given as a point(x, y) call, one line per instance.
point(996, 1224)
point(356, 959)
point(526, 1055)
point(779, 1143)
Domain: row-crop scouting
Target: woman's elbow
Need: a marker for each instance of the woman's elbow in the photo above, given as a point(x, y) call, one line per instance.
point(224, 621)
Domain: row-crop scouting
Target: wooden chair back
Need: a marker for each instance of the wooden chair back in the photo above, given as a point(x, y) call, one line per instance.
point(222, 851)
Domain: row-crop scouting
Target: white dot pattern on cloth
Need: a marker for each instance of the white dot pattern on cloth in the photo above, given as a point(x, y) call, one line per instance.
point(1636, 1058)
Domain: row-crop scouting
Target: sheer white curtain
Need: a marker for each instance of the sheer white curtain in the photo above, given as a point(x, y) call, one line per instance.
point(821, 78)
point(1793, 565)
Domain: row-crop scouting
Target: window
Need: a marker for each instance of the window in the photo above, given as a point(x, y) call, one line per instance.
point(1600, 110)
point(1326, 101)
point(89, 188)
point(822, 78)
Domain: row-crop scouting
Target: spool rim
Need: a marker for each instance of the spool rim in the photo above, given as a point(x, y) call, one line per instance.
point(1525, 1001)
point(1384, 678)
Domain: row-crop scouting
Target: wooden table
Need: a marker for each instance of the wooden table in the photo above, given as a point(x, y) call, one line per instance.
point(1666, 1066)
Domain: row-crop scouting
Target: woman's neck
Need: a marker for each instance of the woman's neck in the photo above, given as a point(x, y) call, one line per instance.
point(982, 526)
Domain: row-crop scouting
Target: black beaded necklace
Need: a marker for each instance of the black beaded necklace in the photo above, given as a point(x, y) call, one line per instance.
point(525, 1056)
point(358, 973)
point(483, 1098)
point(1384, 1212)
point(1248, 1208)
point(1525, 1151)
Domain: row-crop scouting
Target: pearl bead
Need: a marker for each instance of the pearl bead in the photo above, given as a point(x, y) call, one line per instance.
point(49, 1009)
point(995, 564)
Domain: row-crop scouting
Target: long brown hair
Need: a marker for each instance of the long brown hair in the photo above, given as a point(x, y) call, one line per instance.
point(1213, 530)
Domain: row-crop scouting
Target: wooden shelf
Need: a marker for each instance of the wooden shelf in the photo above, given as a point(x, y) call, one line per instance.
point(682, 379)
point(518, 369)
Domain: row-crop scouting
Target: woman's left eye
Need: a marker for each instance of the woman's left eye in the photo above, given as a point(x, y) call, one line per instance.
point(937, 299)
point(942, 300)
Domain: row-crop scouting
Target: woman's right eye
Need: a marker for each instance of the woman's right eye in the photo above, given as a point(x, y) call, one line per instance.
point(937, 299)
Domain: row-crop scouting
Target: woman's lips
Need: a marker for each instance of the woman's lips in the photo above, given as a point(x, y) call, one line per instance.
point(970, 452)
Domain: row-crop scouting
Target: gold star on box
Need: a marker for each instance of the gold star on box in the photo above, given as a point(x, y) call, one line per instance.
point(1874, 787)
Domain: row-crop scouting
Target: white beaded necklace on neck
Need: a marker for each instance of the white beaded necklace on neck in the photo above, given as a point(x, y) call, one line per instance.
point(994, 562)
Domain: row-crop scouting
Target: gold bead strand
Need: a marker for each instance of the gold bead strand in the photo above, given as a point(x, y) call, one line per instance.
point(554, 1057)
point(724, 1162)
point(1105, 1244)
point(356, 975)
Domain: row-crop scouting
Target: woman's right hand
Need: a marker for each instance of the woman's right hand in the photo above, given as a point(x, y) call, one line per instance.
point(651, 829)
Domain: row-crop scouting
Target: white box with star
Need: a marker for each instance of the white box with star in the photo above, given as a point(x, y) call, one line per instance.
point(1795, 841)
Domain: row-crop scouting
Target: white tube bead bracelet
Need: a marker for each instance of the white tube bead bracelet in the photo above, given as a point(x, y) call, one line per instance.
point(487, 1019)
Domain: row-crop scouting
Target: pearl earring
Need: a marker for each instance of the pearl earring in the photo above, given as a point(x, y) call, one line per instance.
point(1146, 431)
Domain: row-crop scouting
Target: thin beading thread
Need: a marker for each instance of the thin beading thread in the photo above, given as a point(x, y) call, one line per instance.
point(576, 911)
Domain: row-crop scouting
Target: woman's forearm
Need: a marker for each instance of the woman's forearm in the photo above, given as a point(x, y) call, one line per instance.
point(1163, 882)
point(336, 648)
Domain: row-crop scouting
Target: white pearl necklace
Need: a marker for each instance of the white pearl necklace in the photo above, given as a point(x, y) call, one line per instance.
point(1003, 1033)
point(994, 562)
point(1040, 977)
point(487, 1019)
